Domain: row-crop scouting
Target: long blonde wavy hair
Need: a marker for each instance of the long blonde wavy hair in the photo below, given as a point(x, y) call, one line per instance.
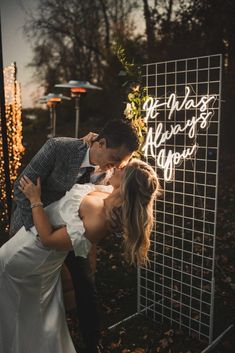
point(139, 187)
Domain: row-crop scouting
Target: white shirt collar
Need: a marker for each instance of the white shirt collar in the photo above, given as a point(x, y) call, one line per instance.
point(86, 161)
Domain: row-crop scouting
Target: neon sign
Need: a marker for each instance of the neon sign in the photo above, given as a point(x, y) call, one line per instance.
point(167, 160)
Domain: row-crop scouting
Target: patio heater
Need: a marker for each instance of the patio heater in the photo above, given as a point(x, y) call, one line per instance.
point(77, 88)
point(52, 100)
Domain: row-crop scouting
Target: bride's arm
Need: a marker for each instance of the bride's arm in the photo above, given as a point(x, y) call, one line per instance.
point(58, 239)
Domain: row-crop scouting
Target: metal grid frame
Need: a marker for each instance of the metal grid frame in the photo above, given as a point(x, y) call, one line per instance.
point(178, 285)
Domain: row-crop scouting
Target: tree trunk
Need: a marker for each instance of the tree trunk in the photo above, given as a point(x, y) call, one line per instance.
point(107, 25)
point(149, 28)
point(169, 12)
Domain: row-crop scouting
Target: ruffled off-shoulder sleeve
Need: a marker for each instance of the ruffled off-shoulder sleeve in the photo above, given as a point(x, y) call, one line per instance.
point(69, 208)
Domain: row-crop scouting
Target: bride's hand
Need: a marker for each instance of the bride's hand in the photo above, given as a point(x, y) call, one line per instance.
point(89, 138)
point(30, 190)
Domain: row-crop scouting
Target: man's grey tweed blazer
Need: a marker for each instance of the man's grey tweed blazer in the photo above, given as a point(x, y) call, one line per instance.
point(57, 163)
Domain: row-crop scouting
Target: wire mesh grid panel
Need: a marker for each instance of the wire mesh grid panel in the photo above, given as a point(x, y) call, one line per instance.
point(182, 143)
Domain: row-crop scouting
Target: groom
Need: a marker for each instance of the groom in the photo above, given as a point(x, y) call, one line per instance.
point(60, 163)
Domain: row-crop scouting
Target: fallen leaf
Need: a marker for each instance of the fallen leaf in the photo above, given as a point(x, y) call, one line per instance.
point(138, 350)
point(116, 344)
point(169, 333)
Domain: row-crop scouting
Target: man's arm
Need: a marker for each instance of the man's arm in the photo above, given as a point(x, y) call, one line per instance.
point(40, 166)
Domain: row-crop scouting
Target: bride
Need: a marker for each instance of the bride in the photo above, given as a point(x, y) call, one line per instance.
point(32, 315)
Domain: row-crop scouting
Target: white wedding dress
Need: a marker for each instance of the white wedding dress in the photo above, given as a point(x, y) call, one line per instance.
point(32, 315)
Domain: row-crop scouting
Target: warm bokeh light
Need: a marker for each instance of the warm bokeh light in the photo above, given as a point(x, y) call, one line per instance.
point(78, 90)
point(54, 100)
point(14, 132)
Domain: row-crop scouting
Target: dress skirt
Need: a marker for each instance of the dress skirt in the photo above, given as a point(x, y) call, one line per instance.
point(32, 314)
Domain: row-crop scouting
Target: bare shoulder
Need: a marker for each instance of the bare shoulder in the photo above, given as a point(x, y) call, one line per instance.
point(90, 204)
point(92, 211)
point(93, 217)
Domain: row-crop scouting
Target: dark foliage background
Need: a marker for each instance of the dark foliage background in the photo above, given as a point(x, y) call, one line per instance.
point(74, 40)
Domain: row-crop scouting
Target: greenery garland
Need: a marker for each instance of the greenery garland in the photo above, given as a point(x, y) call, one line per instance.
point(136, 96)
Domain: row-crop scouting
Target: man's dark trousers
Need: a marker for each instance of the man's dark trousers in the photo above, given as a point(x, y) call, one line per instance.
point(86, 299)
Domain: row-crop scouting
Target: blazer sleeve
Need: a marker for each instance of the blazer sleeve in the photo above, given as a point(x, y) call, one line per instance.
point(40, 166)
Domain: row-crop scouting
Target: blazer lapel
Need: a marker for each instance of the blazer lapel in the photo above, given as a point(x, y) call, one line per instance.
point(77, 157)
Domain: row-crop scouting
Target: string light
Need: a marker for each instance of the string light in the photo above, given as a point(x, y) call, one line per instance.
point(16, 149)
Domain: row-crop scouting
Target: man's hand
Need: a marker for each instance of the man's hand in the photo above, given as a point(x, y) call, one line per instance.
point(89, 138)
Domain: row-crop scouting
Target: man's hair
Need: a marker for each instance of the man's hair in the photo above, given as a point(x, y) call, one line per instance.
point(118, 133)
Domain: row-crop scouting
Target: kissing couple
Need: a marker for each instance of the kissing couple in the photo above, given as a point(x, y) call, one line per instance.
point(58, 216)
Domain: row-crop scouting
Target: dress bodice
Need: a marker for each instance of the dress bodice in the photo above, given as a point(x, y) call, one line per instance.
point(65, 212)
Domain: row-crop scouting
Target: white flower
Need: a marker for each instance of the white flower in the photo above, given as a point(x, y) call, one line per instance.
point(128, 111)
